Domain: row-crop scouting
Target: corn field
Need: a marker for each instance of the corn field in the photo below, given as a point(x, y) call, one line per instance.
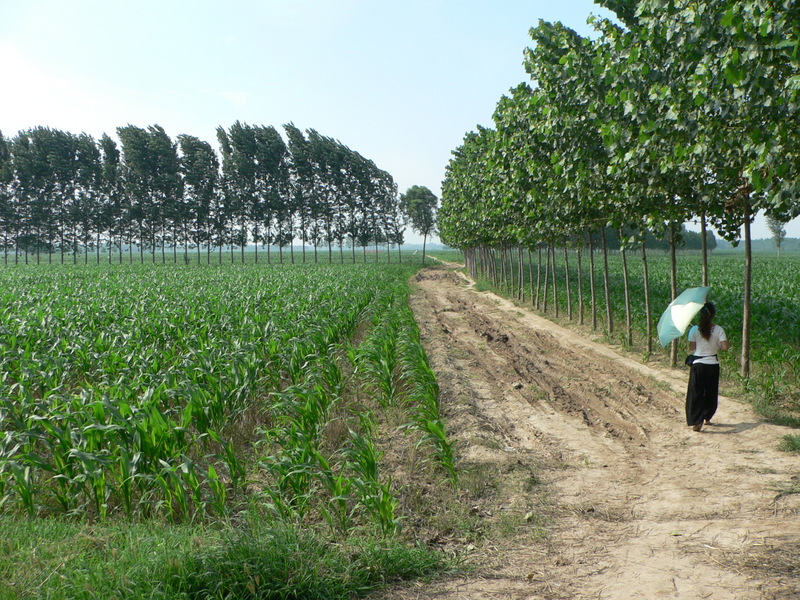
point(185, 392)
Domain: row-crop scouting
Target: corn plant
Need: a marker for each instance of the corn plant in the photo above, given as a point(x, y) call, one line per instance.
point(123, 390)
point(425, 398)
point(376, 496)
point(338, 485)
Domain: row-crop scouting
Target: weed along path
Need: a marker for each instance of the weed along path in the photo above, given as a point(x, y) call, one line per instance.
point(580, 476)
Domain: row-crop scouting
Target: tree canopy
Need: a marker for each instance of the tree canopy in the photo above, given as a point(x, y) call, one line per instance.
point(62, 194)
point(687, 110)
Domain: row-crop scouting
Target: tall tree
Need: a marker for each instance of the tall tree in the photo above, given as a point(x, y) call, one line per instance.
point(272, 182)
point(110, 188)
point(239, 166)
point(89, 214)
point(200, 171)
point(7, 216)
point(301, 180)
point(419, 205)
point(777, 230)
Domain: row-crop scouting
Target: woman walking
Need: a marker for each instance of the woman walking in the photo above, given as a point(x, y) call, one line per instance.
point(705, 340)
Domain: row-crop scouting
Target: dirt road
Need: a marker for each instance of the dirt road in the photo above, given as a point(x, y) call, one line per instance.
point(592, 448)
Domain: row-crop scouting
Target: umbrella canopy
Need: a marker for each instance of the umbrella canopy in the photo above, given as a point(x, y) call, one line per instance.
point(680, 312)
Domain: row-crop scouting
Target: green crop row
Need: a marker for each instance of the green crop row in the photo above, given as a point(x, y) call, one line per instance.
point(185, 391)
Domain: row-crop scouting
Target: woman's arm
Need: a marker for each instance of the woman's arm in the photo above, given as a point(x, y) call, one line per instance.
point(725, 345)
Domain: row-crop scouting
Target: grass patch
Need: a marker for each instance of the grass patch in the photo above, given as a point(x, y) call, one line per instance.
point(790, 443)
point(456, 256)
point(775, 413)
point(285, 563)
point(59, 560)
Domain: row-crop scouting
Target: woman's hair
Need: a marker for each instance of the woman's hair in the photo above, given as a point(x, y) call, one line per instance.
point(707, 314)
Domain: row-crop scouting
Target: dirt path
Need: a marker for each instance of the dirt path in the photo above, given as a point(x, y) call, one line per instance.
point(635, 504)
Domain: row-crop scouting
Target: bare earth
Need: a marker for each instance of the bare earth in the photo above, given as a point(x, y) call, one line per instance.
point(592, 452)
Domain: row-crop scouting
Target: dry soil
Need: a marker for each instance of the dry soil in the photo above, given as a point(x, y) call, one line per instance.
point(605, 491)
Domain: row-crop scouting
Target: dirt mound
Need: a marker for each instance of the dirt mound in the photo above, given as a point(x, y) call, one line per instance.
point(592, 448)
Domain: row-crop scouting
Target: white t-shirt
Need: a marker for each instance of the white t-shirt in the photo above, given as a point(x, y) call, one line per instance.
point(707, 348)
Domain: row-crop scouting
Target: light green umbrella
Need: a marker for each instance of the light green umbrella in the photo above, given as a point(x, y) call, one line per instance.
point(680, 312)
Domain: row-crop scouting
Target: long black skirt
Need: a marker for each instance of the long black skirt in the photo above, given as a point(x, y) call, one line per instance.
point(701, 395)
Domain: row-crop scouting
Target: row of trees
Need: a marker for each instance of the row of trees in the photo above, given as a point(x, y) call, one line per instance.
point(688, 109)
point(65, 194)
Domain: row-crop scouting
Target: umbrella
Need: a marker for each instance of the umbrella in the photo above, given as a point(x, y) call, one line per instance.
point(680, 313)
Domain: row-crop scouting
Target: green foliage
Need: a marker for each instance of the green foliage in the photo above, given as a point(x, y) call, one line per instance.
point(775, 379)
point(134, 402)
point(58, 560)
point(284, 563)
point(124, 396)
point(790, 443)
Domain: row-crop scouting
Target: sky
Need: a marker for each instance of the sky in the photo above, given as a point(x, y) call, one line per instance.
point(399, 82)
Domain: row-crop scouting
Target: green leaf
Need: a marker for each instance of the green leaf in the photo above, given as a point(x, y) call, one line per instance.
point(733, 76)
point(727, 18)
point(629, 107)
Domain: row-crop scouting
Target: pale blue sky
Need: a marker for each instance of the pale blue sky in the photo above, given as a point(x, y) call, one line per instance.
point(399, 82)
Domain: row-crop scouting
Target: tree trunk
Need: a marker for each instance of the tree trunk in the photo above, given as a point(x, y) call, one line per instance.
point(255, 236)
point(704, 245)
point(673, 280)
point(647, 308)
point(581, 304)
point(330, 240)
point(530, 275)
point(592, 287)
point(566, 276)
point(627, 286)
point(607, 286)
point(503, 279)
point(555, 280)
point(269, 241)
point(303, 241)
point(748, 280)
point(546, 277)
point(538, 276)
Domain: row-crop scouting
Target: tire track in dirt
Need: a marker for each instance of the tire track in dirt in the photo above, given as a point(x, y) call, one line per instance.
point(641, 506)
